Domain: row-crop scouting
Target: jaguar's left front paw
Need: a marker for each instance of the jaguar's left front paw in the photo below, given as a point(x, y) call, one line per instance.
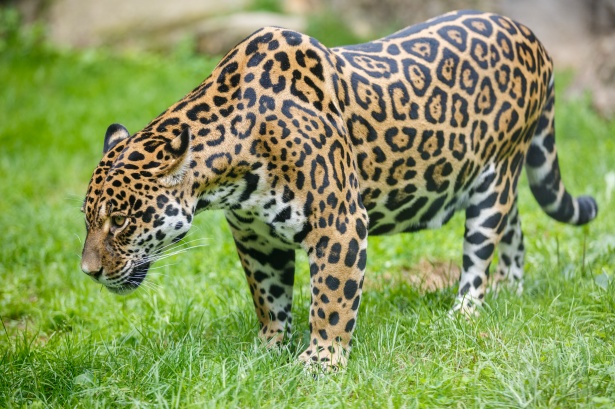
point(466, 306)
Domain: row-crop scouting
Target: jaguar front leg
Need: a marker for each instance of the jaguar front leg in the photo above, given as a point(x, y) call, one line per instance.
point(337, 257)
point(270, 272)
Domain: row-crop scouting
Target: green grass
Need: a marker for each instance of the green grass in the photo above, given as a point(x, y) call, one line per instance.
point(189, 338)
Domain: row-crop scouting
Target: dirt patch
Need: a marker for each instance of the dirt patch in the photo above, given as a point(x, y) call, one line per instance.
point(426, 275)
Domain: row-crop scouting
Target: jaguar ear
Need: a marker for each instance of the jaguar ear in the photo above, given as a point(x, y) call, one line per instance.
point(115, 134)
point(179, 151)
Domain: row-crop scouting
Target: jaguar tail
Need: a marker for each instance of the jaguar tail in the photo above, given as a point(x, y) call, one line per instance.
point(543, 172)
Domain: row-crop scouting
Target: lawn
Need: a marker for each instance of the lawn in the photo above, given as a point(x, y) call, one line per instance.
point(188, 339)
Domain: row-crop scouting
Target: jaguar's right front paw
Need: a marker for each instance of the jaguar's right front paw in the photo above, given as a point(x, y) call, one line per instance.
point(327, 359)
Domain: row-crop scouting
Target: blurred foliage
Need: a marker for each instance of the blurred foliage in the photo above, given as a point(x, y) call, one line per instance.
point(331, 30)
point(274, 6)
point(326, 25)
point(15, 35)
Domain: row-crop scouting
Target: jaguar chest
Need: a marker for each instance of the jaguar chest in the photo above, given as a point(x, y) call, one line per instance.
point(273, 218)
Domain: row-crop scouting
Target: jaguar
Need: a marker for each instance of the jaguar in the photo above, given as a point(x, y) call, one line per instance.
point(315, 148)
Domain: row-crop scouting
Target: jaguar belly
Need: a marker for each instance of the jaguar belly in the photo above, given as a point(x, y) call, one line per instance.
point(410, 208)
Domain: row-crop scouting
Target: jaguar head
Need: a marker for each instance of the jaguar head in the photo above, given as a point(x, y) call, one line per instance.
point(138, 204)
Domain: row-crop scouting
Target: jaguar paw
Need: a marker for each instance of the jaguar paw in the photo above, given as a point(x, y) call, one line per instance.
point(319, 360)
point(272, 338)
point(466, 307)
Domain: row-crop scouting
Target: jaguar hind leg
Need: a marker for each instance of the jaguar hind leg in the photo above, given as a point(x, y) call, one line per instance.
point(511, 255)
point(486, 219)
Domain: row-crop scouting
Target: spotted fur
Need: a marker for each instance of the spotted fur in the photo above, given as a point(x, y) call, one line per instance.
point(315, 148)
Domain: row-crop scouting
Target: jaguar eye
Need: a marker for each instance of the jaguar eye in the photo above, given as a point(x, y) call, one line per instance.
point(118, 221)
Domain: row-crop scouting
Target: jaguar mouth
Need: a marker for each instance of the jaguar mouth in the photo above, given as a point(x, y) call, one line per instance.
point(134, 280)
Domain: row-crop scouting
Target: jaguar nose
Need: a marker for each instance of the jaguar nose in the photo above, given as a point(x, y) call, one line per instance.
point(95, 274)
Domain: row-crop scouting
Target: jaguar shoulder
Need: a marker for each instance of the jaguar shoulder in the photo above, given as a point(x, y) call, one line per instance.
point(315, 148)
